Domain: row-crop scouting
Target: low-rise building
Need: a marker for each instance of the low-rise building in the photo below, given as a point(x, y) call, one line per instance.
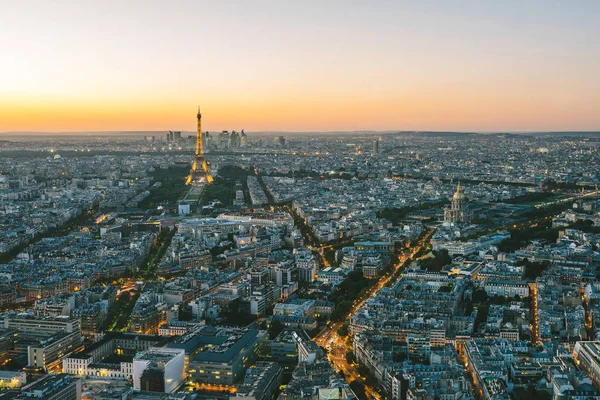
point(53, 387)
point(12, 379)
point(501, 288)
point(111, 357)
point(587, 357)
point(333, 275)
point(159, 369)
point(224, 354)
point(260, 382)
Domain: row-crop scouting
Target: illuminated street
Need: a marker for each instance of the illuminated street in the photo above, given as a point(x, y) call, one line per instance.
point(534, 315)
point(337, 347)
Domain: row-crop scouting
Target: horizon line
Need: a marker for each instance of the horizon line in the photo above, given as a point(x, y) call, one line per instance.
point(366, 131)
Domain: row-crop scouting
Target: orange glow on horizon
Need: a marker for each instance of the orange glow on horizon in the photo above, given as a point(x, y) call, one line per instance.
point(317, 66)
point(419, 111)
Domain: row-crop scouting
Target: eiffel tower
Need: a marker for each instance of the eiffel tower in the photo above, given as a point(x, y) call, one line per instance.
point(199, 174)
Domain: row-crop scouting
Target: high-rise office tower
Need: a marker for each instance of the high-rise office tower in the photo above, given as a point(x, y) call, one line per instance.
point(224, 140)
point(235, 140)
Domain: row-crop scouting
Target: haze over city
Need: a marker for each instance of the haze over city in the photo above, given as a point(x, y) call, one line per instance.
point(312, 66)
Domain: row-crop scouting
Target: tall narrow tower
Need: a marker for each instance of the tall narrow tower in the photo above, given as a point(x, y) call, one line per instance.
point(199, 172)
point(199, 142)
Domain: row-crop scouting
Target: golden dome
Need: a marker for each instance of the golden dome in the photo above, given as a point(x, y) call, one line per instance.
point(458, 195)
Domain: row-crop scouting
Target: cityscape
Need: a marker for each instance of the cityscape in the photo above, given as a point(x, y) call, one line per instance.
point(425, 249)
point(231, 266)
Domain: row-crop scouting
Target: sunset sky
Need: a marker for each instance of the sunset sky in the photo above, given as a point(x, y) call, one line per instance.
point(300, 65)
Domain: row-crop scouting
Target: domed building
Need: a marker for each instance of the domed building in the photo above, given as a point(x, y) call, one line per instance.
point(457, 212)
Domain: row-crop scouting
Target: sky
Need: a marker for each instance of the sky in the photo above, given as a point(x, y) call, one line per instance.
point(464, 65)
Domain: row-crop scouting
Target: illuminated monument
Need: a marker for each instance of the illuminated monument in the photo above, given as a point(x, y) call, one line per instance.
point(458, 211)
point(199, 173)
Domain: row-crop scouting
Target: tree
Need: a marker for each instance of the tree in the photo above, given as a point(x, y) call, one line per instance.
point(341, 310)
point(275, 328)
point(352, 287)
point(534, 393)
point(482, 314)
point(533, 269)
point(358, 388)
point(343, 331)
point(371, 380)
point(363, 370)
point(439, 260)
point(468, 308)
point(479, 296)
point(172, 187)
point(350, 357)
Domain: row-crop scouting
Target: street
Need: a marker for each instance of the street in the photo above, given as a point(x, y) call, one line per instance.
point(337, 347)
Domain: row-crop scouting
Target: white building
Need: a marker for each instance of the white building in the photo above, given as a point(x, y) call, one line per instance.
point(169, 361)
point(184, 208)
point(458, 248)
point(506, 288)
point(12, 379)
point(333, 275)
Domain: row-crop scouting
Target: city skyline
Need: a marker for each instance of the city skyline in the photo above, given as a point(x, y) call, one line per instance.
point(383, 200)
point(435, 66)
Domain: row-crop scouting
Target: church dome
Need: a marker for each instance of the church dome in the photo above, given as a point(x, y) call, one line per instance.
point(458, 195)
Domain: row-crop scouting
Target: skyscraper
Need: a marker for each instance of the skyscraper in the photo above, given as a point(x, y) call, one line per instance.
point(376, 146)
point(224, 141)
point(235, 140)
point(208, 139)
